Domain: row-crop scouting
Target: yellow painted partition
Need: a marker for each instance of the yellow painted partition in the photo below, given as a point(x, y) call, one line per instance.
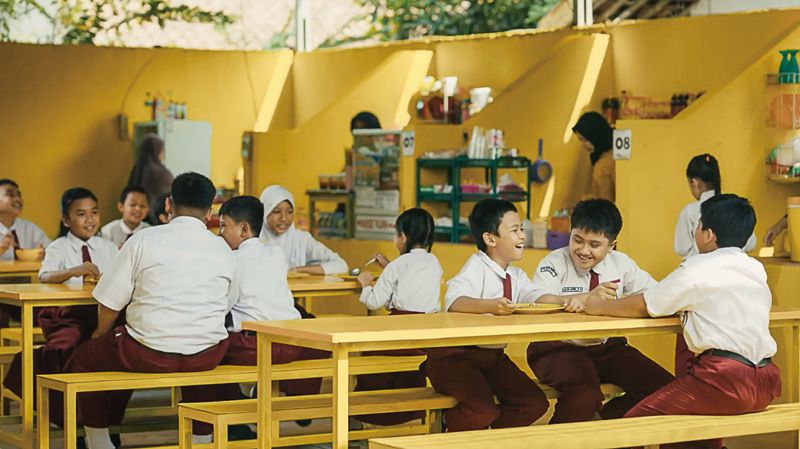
point(730, 122)
point(60, 103)
point(294, 158)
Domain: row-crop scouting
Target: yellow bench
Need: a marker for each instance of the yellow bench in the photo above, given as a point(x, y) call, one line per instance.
point(223, 414)
point(650, 432)
point(72, 384)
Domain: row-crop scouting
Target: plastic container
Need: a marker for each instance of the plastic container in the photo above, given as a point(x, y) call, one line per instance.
point(793, 231)
point(556, 240)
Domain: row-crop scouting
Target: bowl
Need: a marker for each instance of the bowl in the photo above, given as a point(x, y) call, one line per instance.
point(29, 255)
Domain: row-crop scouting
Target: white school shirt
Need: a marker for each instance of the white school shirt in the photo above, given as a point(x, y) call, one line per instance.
point(260, 290)
point(725, 301)
point(411, 282)
point(557, 275)
point(685, 245)
point(65, 252)
point(174, 279)
point(300, 247)
point(117, 231)
point(482, 278)
point(29, 235)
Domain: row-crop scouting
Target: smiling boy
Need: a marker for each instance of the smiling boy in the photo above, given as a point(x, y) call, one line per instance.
point(14, 231)
point(590, 268)
point(133, 205)
point(487, 283)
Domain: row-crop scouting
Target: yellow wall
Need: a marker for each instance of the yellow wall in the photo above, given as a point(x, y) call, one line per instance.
point(60, 103)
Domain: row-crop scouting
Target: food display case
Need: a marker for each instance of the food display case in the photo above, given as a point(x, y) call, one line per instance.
point(376, 182)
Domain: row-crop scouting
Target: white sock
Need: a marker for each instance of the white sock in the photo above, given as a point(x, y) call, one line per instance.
point(199, 439)
point(253, 427)
point(248, 389)
point(98, 438)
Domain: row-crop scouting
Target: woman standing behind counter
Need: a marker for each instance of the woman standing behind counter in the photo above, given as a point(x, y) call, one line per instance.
point(150, 172)
point(596, 136)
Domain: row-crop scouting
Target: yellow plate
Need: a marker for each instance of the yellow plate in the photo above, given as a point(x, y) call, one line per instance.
point(295, 275)
point(537, 308)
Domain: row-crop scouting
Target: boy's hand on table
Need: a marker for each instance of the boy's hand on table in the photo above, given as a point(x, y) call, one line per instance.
point(606, 291)
point(365, 279)
point(594, 306)
point(501, 306)
point(86, 269)
point(576, 304)
point(381, 259)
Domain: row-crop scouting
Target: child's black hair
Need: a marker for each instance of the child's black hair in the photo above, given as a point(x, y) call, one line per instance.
point(599, 216)
point(365, 120)
point(132, 189)
point(731, 217)
point(705, 167)
point(8, 182)
point(417, 225)
point(245, 208)
point(160, 207)
point(486, 216)
point(192, 190)
point(69, 197)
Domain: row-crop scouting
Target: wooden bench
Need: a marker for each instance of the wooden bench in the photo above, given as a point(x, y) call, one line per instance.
point(286, 408)
point(222, 414)
point(650, 432)
point(72, 384)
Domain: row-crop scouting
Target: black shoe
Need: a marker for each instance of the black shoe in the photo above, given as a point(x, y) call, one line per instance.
point(303, 422)
point(240, 432)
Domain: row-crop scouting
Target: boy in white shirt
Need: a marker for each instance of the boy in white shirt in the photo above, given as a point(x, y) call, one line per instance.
point(174, 280)
point(14, 231)
point(133, 206)
point(590, 267)
point(725, 302)
point(487, 283)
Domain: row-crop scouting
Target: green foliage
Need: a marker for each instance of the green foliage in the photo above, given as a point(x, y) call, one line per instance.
point(81, 21)
point(404, 19)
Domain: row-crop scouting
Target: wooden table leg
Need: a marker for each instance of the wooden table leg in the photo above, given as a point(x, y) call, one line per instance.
point(341, 390)
point(264, 391)
point(43, 417)
point(26, 399)
point(70, 419)
point(794, 373)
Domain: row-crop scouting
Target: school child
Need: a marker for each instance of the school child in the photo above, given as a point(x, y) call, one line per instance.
point(725, 301)
point(705, 181)
point(160, 209)
point(16, 232)
point(304, 254)
point(487, 283)
point(78, 255)
point(174, 280)
point(409, 284)
point(590, 267)
point(133, 206)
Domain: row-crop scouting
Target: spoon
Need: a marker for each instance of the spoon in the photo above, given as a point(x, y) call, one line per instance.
point(356, 271)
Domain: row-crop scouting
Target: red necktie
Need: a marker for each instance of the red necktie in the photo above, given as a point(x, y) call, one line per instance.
point(507, 287)
point(16, 241)
point(594, 280)
point(128, 236)
point(85, 256)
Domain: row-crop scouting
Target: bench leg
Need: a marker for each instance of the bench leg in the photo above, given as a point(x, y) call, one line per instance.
point(43, 417)
point(264, 387)
point(221, 435)
point(184, 433)
point(435, 421)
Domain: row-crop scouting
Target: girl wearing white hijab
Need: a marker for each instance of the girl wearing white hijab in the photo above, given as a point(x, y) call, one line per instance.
point(304, 253)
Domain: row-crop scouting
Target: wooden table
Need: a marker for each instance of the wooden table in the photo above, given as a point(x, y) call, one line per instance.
point(17, 268)
point(27, 297)
point(304, 288)
point(342, 336)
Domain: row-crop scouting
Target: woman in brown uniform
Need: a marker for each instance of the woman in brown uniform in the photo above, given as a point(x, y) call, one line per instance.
point(596, 136)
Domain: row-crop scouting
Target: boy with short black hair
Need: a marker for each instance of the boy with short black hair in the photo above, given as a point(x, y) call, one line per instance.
point(14, 231)
point(590, 268)
point(488, 283)
point(174, 280)
point(725, 301)
point(134, 206)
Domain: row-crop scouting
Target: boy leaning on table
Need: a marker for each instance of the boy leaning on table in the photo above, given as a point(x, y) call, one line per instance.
point(487, 283)
point(590, 267)
point(724, 300)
